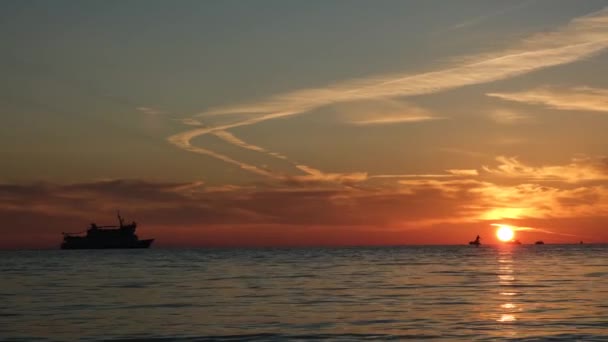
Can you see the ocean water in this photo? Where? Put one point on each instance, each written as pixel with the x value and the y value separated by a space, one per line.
pixel 527 292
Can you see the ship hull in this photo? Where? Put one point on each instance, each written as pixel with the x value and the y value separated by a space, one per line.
pixel 84 243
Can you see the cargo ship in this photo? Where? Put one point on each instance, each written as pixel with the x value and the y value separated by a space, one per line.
pixel 105 237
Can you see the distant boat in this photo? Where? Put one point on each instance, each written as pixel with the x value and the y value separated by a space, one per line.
pixel 514 242
pixel 476 242
pixel 539 242
pixel 105 237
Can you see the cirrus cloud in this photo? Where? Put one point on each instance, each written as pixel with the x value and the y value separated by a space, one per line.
pixel 576 98
pixel 581 38
pixel 578 170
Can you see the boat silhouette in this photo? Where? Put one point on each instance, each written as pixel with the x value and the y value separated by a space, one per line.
pixel 105 237
pixel 476 242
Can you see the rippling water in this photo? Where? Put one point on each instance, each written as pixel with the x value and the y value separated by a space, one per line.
pixel 432 292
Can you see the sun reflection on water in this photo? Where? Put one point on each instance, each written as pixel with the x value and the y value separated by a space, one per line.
pixel 506 278
pixel 505 318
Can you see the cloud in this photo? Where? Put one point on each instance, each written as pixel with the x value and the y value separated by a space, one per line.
pixel 488 201
pixel 508 117
pixel 430 175
pixel 496 13
pixel 463 172
pixel 581 38
pixel 184 141
pixel 191 122
pixel 317 175
pixel 195 203
pixel 385 120
pixel 537 201
pixel 179 213
pixel 312 175
pixel 577 98
pixel 232 139
pixel 381 112
pixel 149 110
pixel 242 165
pixel 578 170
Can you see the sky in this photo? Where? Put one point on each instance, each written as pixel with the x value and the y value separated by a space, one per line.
pixel 304 123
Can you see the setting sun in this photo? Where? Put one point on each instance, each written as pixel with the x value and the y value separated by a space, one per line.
pixel 504 233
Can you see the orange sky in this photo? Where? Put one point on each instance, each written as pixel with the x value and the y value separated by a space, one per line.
pixel 390 123
pixel 192 214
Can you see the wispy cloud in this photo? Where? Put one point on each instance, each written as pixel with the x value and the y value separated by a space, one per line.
pixel 381 112
pixel 581 38
pixel 578 170
pixel 450 173
pixel 232 139
pixel 577 98
pixel 430 175
pixel 312 174
pixel 150 111
pixel 191 122
pixel 184 141
pixel 490 201
pixel 242 165
pixel 392 120
pixel 508 117
pixel 463 172
pixel 43 208
pixel 317 175
pixel 487 16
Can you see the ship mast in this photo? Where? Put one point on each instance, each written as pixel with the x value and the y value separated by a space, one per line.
pixel 119 218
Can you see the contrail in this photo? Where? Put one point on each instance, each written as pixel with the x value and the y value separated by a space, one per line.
pixel 583 37
pixel 497 13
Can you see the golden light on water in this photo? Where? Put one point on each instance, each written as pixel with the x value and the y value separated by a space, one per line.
pixel 506 277
pixel 507 318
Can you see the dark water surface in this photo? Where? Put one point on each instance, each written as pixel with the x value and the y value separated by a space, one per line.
pixel 433 292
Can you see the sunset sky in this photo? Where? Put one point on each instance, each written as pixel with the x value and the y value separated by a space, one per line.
pixel 292 123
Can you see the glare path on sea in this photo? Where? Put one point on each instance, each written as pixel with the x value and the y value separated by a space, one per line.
pixel 434 292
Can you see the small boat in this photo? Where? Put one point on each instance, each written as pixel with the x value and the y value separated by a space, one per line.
pixel 539 242
pixel 476 242
pixel 105 237
pixel 514 242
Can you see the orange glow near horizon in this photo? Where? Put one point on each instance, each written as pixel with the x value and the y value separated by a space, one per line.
pixel 505 233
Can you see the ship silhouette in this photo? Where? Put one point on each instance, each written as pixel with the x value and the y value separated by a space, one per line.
pixel 105 237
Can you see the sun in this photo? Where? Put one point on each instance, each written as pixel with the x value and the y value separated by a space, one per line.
pixel 504 233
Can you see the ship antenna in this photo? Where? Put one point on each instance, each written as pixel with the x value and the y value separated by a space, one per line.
pixel 119 218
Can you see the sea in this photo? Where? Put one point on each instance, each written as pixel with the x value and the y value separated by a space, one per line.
pixel 443 293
